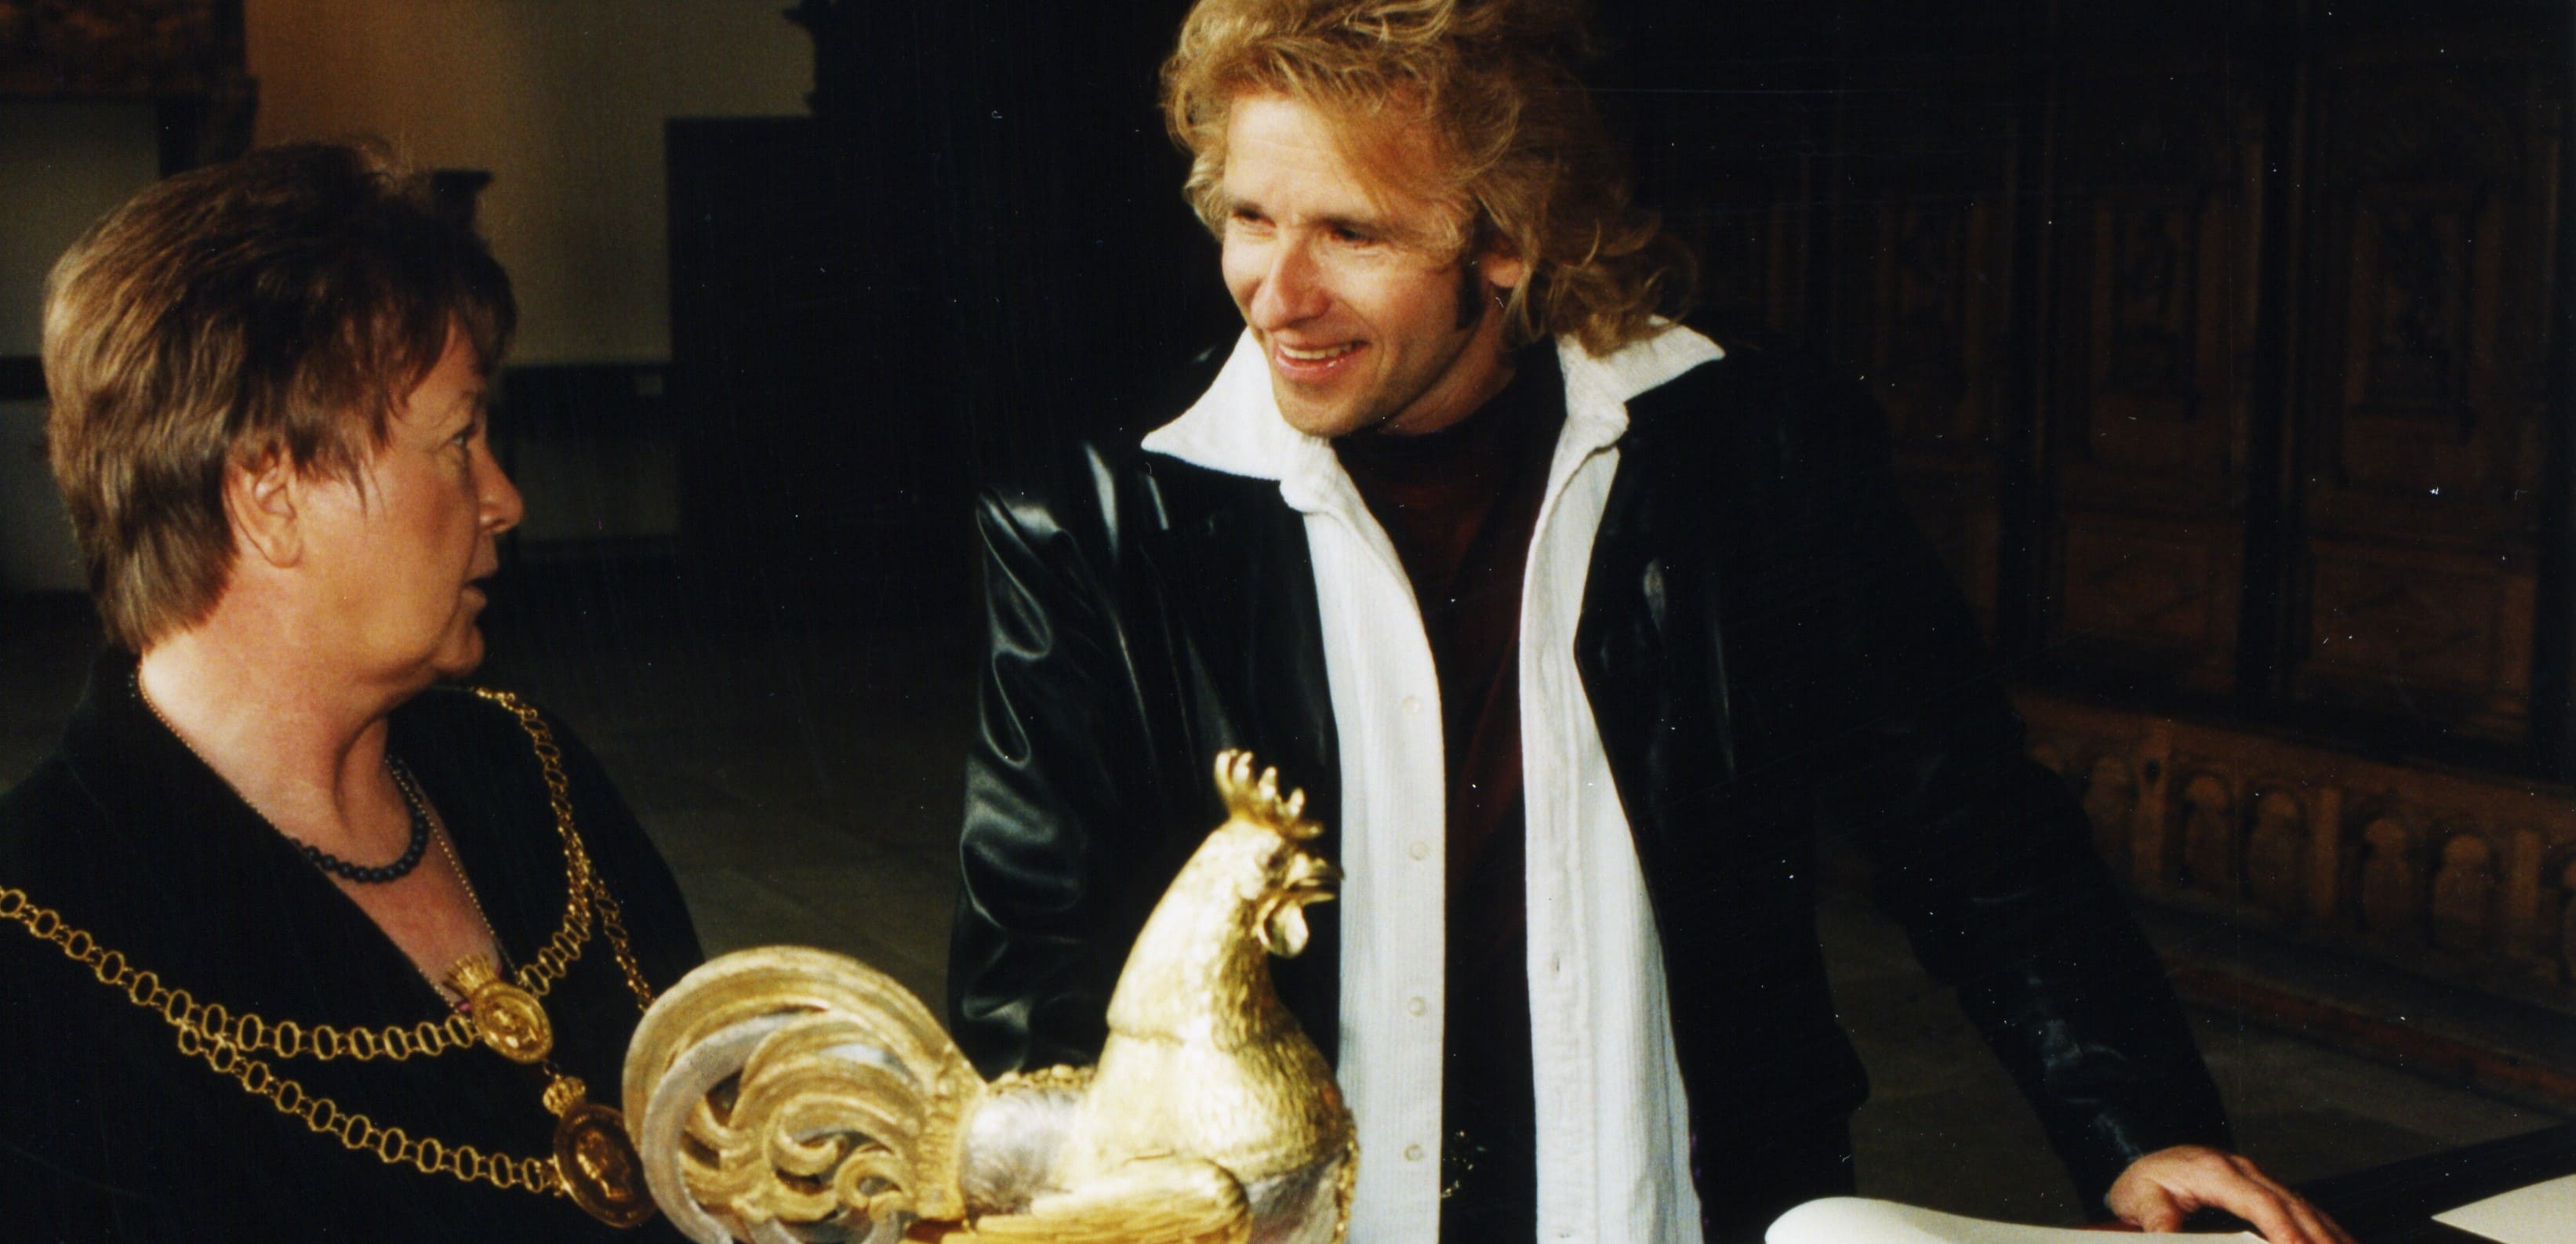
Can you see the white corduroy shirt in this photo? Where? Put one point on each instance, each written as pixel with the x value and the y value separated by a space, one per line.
pixel 1613 1131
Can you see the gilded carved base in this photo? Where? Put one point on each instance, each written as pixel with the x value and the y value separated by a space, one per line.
pixel 2467 878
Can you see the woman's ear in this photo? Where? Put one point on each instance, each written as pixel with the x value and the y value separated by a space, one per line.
pixel 263 497
pixel 1503 269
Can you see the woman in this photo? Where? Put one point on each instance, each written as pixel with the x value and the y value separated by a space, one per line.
pixel 296 943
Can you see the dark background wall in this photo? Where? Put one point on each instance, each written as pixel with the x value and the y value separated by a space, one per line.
pixel 2220 338
pixel 2225 343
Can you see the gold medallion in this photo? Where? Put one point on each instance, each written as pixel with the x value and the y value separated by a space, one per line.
pixel 508 1018
pixel 599 1166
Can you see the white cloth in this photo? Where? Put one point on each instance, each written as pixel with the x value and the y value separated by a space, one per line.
pixel 1613 1130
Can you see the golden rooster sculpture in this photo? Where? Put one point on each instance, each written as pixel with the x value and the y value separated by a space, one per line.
pixel 783 1095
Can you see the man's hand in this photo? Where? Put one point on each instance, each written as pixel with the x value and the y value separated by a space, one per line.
pixel 2161 1189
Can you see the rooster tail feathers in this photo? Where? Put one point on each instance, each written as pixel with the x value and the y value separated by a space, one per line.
pixel 792 1085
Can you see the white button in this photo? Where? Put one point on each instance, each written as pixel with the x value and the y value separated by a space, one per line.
pixel 1413 706
pixel 1419 850
pixel 1416 1007
pixel 1413 1153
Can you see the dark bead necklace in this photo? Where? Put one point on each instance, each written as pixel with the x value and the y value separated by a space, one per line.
pixel 324 860
pixel 412 851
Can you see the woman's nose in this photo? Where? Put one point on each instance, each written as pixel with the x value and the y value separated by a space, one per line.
pixel 502 505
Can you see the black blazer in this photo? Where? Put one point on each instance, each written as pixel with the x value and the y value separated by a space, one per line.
pixel 1769 648
pixel 109 1132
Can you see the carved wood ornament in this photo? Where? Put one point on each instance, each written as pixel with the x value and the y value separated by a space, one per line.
pixel 2447 873
pixel 186 55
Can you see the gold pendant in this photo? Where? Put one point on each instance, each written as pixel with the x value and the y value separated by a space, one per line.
pixel 508 1018
pixel 596 1159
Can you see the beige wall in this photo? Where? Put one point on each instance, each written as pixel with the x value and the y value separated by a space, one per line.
pixel 63 165
pixel 563 102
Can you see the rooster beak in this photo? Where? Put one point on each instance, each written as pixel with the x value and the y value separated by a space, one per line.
pixel 1282 925
pixel 1312 879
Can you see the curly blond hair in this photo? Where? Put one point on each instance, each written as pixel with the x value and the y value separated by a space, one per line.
pixel 1530 168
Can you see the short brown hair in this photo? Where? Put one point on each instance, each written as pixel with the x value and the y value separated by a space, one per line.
pixel 285 302
pixel 1531 165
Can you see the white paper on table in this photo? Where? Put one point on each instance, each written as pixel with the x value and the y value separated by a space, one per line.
pixel 1859 1220
pixel 2544 1213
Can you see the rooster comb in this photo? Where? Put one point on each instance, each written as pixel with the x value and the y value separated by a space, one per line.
pixel 1256 799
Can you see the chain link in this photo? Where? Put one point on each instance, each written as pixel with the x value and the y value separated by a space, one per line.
pixel 230 1044
pixel 585 888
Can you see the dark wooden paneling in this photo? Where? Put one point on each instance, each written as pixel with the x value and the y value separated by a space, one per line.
pixel 2156 204
pixel 2214 338
pixel 2419 427
pixel 1925 179
pixel 1751 213
pixel 2554 644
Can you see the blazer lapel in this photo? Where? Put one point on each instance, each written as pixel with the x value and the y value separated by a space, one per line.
pixel 1653 614
pixel 1231 560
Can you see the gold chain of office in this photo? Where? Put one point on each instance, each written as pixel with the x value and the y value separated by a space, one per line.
pixel 228 1043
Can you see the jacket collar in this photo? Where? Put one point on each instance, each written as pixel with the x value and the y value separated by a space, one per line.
pixel 1236 428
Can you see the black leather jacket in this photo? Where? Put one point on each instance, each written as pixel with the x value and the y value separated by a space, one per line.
pixel 1768 646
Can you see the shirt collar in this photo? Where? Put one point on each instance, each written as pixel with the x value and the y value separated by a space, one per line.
pixel 1236 428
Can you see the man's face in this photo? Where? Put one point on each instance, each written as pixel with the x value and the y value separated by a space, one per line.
pixel 1336 274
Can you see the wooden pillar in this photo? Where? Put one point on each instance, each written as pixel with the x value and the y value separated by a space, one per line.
pixel 2553 708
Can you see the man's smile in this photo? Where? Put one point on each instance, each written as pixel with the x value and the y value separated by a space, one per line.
pixel 1317 355
pixel 1312 364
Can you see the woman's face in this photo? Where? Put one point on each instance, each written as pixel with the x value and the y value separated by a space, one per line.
pixel 399 556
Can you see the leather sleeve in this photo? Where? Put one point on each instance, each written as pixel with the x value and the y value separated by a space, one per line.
pixel 1029 974
pixel 1981 853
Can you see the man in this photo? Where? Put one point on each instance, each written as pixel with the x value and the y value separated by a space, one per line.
pixel 1575 625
